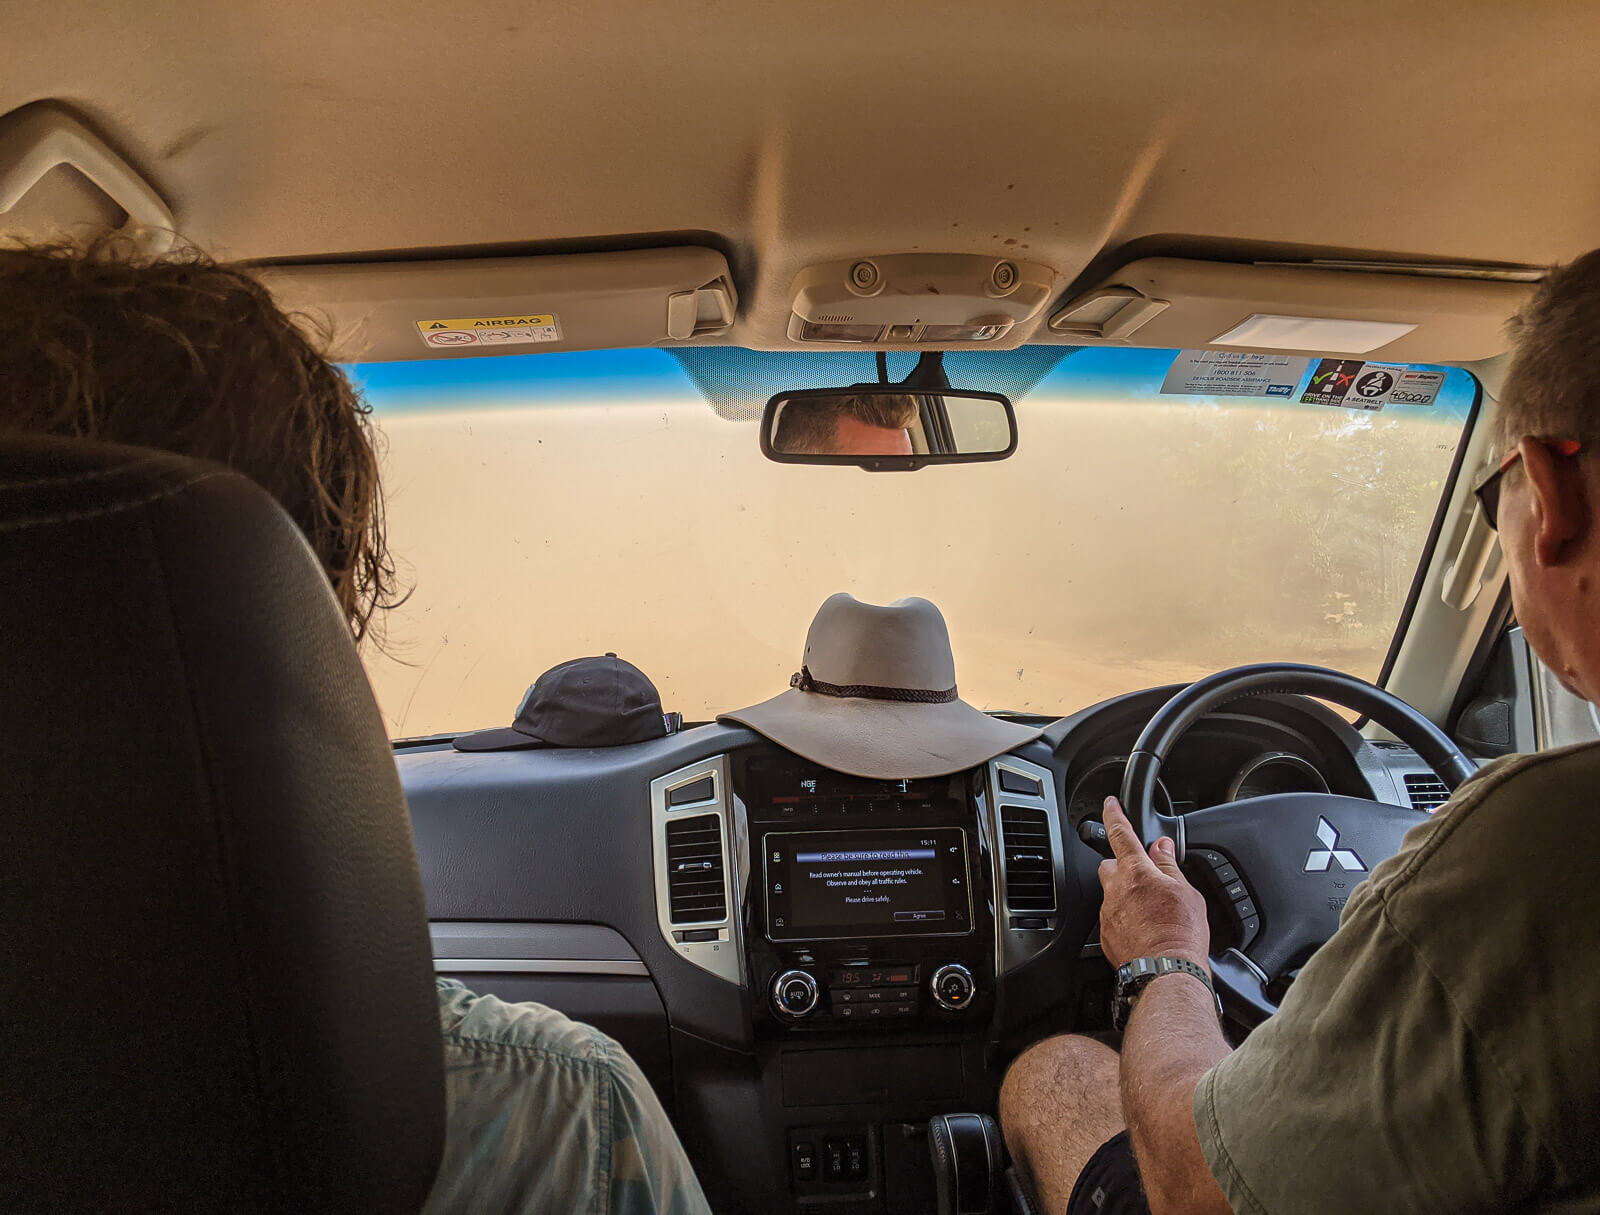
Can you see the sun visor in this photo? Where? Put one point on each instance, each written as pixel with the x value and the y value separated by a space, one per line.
pixel 1434 315
pixel 388 311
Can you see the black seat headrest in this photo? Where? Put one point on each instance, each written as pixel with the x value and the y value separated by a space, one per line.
pixel 219 982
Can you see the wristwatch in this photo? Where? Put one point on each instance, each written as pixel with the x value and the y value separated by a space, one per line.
pixel 1133 976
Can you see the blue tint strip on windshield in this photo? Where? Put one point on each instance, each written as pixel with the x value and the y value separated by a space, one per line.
pixel 1135 375
pixel 652 376
pixel 645 376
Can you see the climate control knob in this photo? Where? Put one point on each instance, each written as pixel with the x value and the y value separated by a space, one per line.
pixel 794 994
pixel 952 987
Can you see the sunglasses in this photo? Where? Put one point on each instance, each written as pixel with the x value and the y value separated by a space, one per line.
pixel 1488 490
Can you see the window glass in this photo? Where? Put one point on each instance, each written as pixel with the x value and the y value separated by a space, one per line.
pixel 549 506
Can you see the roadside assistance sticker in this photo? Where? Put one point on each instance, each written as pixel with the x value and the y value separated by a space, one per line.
pixel 1224 373
pixel 1354 384
pixel 525 329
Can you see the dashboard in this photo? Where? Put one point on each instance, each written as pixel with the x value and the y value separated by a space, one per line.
pixel 806 965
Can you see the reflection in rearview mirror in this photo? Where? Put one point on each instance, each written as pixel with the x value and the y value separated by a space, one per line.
pixel 881 427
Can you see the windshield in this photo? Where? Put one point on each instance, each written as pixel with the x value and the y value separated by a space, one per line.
pixel 545 507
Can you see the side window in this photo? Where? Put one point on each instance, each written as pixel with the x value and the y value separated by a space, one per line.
pixel 1519 706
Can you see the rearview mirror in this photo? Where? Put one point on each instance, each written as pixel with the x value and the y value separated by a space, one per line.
pixel 885 427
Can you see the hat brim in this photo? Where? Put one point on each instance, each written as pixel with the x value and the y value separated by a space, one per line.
pixel 506 738
pixel 882 739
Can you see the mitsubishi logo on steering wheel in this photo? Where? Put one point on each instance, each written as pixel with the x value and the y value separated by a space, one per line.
pixel 1318 859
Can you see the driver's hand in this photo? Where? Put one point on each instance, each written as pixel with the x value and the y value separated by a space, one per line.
pixel 1150 910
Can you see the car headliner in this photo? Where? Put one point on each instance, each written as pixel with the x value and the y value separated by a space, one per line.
pixel 790 134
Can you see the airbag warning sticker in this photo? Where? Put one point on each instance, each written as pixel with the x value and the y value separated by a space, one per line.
pixel 1354 384
pixel 1223 373
pixel 525 329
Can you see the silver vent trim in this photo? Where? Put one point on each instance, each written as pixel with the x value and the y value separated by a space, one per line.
pixel 1015 946
pixel 720 954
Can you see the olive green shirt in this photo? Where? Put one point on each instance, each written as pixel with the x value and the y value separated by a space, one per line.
pixel 1442 1051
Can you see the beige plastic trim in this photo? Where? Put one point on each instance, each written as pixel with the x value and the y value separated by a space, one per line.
pixel 916 299
pixel 1456 319
pixel 41 137
pixel 1440 636
pixel 643 297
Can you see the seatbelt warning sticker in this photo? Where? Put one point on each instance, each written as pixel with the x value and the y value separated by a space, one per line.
pixel 515 329
pixel 1229 373
pixel 1354 384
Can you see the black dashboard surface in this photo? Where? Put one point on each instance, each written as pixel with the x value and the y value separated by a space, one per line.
pixel 518 842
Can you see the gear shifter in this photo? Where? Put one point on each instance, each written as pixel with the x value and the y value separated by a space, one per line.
pixel 968 1163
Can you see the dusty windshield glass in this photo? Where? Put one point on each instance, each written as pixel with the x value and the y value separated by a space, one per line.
pixel 544 507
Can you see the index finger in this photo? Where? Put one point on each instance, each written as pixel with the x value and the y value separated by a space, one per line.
pixel 1119 831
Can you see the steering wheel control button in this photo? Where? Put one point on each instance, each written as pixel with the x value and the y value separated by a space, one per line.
pixel 693 793
pixel 1234 890
pixel 1244 909
pixel 952 987
pixel 1226 873
pixel 1016 782
pixel 794 994
pixel 1248 927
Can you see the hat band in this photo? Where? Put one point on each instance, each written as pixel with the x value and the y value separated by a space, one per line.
pixel 867 691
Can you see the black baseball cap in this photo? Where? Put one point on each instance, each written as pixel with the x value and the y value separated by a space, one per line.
pixel 587 702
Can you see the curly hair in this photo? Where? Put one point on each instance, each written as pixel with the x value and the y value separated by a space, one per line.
pixel 190 356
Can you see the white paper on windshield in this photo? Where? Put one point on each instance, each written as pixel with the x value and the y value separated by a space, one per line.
pixel 1353 384
pixel 1227 373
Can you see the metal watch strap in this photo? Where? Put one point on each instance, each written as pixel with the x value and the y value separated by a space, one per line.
pixel 1133 976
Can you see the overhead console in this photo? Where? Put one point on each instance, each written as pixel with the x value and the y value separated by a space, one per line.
pixel 936 301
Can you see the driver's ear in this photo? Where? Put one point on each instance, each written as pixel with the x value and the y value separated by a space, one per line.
pixel 1559 498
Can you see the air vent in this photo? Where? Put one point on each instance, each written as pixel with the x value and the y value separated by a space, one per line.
pixel 694 870
pixel 1029 867
pixel 1426 791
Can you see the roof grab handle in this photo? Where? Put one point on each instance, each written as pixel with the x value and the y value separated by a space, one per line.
pixel 45 135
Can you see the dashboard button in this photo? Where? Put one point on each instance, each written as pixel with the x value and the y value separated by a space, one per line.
pixel 696 791
pixel 833 1160
pixel 877 1010
pixel 902 1010
pixel 846 1012
pixel 702 934
pixel 855 1158
pixel 952 987
pixel 805 1162
pixel 1015 782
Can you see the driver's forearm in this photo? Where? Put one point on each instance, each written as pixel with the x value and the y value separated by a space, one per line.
pixel 1172 1039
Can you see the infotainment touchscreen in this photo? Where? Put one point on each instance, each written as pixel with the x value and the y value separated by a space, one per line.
pixel 826 885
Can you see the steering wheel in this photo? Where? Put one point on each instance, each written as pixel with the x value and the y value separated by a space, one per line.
pixel 1294 856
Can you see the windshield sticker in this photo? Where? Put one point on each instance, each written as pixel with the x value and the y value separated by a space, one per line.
pixel 524 329
pixel 1223 373
pixel 1354 384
